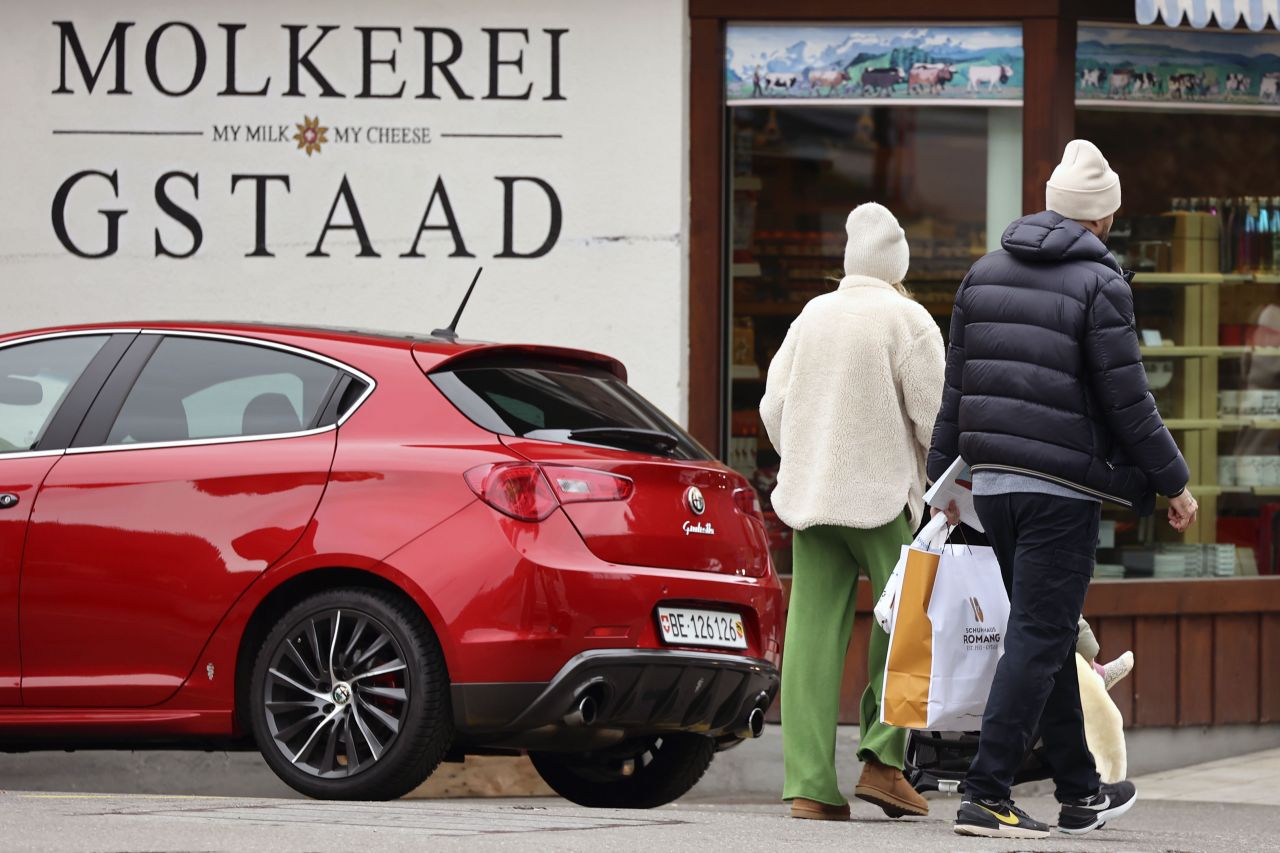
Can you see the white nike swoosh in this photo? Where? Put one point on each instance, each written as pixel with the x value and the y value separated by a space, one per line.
pixel 1102 806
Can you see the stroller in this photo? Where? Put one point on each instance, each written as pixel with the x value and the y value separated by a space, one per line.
pixel 938 761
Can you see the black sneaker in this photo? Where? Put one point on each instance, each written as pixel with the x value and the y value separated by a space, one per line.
pixel 997 819
pixel 1080 816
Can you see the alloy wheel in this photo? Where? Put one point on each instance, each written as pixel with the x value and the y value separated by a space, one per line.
pixel 336 694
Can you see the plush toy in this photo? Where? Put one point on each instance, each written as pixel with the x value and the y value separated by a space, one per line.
pixel 1103 725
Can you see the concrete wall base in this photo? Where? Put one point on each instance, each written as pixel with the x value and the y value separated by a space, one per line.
pixel 752 771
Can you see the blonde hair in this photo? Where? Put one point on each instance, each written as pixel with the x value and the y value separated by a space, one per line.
pixel 898 286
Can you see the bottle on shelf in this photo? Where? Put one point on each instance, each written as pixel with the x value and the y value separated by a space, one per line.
pixel 1246 234
pixel 1275 233
pixel 1264 260
pixel 1227 248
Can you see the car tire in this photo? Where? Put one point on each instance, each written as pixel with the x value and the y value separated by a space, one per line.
pixel 633 775
pixel 349 696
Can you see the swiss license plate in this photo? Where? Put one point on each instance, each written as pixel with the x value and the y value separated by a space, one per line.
pixel 683 626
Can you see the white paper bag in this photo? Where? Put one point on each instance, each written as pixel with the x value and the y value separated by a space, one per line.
pixel 947 637
pixel 969 610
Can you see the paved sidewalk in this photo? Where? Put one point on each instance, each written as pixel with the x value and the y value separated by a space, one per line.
pixel 1246 779
pixel 109 823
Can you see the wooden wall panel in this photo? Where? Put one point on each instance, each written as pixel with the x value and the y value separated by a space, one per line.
pixel 1155 675
pixel 1235 669
pixel 1195 670
pixel 877 11
pixel 706 231
pixel 1269 667
pixel 1049 110
pixel 1116 636
pixel 1194 643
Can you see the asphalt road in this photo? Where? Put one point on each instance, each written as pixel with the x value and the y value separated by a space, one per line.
pixel 114 823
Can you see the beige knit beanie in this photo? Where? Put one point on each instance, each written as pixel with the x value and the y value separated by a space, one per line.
pixel 877 246
pixel 1083 185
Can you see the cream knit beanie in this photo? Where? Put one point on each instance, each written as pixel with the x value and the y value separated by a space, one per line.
pixel 1083 185
pixel 877 246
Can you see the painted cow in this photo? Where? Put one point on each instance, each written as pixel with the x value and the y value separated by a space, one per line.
pixel 1238 84
pixel 1185 85
pixel 1269 87
pixel 1118 84
pixel 929 77
pixel 992 75
pixel 1143 81
pixel 831 80
pixel 777 81
pixel 1092 78
pixel 880 81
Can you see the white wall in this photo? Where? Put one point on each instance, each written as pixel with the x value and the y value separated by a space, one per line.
pixel 615 281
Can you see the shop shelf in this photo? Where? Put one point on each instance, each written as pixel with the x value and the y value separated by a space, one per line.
pixel 1223 424
pixel 746 270
pixel 768 309
pixel 1234 423
pixel 1207 352
pixel 1190 352
pixel 1178 278
pixel 1193 423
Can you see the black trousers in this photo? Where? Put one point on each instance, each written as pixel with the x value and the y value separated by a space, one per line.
pixel 1045 545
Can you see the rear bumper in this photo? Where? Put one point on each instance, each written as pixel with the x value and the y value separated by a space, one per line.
pixel 637 692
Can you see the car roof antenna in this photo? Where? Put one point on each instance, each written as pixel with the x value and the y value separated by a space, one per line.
pixel 451 333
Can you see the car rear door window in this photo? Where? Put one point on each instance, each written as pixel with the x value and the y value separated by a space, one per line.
pixel 199 388
pixel 561 403
pixel 34 379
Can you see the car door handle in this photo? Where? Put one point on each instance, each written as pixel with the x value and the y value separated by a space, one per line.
pixel 8 500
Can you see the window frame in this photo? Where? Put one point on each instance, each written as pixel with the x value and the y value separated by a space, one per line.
pixel 91 436
pixel 75 404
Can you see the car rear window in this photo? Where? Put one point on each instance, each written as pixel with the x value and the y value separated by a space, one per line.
pixel 552 401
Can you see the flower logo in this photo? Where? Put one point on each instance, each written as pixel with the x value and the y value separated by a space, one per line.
pixel 310 134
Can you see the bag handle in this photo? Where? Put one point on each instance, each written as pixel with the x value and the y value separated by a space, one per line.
pixel 933 536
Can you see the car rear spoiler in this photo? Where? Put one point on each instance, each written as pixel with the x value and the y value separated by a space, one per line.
pixel 477 356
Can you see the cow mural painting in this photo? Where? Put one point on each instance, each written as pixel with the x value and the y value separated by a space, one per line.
pixel 844 65
pixel 1177 69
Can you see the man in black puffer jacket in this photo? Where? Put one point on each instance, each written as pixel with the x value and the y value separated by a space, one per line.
pixel 1046 399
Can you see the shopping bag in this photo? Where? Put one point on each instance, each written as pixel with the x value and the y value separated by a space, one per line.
pixel 947 637
pixel 931 538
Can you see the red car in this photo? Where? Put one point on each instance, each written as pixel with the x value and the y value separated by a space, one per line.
pixel 368 554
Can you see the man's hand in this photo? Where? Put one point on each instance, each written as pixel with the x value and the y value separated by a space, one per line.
pixel 952 511
pixel 1182 511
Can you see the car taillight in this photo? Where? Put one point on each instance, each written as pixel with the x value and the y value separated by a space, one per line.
pixel 580 485
pixel 530 492
pixel 748 503
pixel 517 489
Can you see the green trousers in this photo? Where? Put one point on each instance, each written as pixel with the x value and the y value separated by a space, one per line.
pixel 824 583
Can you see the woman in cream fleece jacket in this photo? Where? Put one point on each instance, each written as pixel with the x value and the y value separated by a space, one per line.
pixel 849 404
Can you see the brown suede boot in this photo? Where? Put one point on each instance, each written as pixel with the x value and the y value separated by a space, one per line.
pixel 814 810
pixel 887 788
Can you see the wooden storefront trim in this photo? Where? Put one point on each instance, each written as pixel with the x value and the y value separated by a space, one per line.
pixel 1207 651
pixel 706 232
pixel 884 10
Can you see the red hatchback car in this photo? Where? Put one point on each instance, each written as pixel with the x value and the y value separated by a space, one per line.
pixel 368 554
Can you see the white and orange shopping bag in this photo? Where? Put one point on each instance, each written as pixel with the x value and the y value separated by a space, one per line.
pixel 946 610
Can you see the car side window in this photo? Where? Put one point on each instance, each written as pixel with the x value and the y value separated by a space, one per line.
pixel 34 379
pixel 199 388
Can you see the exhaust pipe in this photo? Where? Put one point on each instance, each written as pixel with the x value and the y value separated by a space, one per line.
pixel 584 713
pixel 755 722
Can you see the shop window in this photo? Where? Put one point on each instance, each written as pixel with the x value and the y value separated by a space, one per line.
pixel 1183 117
pixel 924 120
